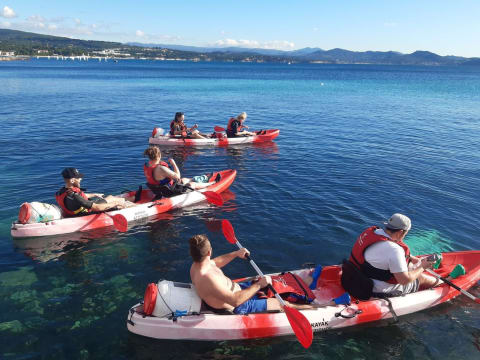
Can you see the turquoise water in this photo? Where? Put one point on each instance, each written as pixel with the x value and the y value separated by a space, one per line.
pixel 357 144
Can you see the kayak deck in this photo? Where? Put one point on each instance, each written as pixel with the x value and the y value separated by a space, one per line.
pixel 144 208
pixel 269 135
pixel 213 326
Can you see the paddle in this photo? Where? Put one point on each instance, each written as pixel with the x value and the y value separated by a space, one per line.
pixel 119 221
pixel 218 129
pixel 211 196
pixel 299 323
pixel 446 281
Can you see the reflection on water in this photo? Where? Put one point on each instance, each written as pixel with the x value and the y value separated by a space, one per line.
pixel 49 248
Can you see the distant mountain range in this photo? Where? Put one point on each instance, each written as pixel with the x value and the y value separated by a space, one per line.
pixel 25 43
pixel 231 49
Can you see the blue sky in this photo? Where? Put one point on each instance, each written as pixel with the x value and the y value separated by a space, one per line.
pixel 445 27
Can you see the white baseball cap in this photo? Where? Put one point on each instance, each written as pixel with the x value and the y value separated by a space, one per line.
pixel 398 222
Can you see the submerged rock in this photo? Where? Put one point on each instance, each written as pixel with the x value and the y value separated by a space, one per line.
pixel 22 277
pixel 14 326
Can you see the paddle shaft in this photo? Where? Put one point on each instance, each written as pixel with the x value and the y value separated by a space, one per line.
pixel 259 272
pixel 446 281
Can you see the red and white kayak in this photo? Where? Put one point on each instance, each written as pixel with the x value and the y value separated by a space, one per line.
pixel 220 140
pixel 207 325
pixel 144 208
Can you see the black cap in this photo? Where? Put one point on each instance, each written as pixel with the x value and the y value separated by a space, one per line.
pixel 69 173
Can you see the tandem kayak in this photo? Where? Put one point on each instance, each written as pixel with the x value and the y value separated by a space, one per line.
pixel 204 324
pixel 220 140
pixel 143 208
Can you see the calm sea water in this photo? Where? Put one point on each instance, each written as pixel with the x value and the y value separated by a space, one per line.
pixel 357 144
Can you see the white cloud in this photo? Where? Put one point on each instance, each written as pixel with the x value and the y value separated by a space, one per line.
pixel 6 24
pixel 8 13
pixel 139 33
pixel 52 27
pixel 36 18
pixel 275 44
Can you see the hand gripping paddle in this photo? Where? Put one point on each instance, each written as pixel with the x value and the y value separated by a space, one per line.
pixel 446 281
pixel 299 323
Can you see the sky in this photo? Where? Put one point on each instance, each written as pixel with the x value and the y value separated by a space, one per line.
pixel 445 27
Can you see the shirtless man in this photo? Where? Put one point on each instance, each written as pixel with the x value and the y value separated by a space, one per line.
pixel 220 292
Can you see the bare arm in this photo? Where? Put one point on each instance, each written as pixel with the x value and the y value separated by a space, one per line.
pixel 166 173
pixel 103 207
pixel 94 194
pixel 175 168
pixel 406 277
pixel 223 260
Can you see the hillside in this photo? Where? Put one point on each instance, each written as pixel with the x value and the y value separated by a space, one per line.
pixel 26 43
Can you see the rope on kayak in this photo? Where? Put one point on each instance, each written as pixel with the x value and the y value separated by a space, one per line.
pixel 389 303
pixel 348 316
pixel 169 308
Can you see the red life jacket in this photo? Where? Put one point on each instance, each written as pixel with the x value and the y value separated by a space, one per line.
pixel 148 171
pixel 63 193
pixel 172 127
pixel 291 287
pixel 366 239
pixel 229 126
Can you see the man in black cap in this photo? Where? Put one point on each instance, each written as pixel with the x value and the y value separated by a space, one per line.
pixel 74 201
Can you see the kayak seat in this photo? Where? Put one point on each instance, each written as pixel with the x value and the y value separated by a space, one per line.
pixel 207 309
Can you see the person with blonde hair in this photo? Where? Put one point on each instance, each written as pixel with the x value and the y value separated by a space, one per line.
pixel 235 126
pixel 161 177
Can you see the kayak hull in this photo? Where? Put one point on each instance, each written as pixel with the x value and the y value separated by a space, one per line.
pixel 143 209
pixel 216 327
pixel 170 141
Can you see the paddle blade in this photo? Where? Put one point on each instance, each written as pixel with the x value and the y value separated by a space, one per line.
pixel 213 198
pixel 228 231
pixel 218 128
pixel 120 222
pixel 300 325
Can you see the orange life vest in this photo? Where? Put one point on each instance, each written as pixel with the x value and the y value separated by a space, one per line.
pixel 366 239
pixel 229 126
pixel 291 287
pixel 172 127
pixel 63 193
pixel 148 171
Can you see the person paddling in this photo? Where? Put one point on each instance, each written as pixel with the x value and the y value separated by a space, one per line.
pixel 381 255
pixel 159 174
pixel 236 125
pixel 74 201
pixel 220 292
pixel 178 128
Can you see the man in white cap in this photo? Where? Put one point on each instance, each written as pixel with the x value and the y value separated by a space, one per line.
pixel 382 256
